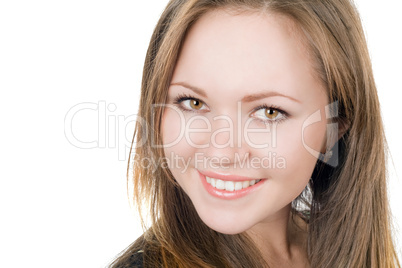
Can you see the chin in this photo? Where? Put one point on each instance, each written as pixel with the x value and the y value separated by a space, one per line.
pixel 226 225
pixel 227 230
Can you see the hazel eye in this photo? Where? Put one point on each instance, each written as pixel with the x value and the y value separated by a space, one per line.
pixel 190 103
pixel 196 104
pixel 271 113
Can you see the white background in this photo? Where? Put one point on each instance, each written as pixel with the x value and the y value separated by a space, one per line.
pixel 62 206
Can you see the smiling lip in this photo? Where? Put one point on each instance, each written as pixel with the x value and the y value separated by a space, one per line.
pixel 223 194
pixel 227 177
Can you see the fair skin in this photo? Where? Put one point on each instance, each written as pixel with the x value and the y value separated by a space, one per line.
pixel 224 59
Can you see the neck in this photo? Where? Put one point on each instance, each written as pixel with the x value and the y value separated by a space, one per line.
pixel 282 240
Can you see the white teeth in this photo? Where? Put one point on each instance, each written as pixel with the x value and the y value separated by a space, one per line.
pixel 220 184
pixel 213 182
pixel 230 185
pixel 238 185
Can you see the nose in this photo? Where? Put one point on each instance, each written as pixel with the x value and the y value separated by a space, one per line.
pixel 226 141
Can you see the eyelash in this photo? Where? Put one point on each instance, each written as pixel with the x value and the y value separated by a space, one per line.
pixel 284 115
pixel 183 97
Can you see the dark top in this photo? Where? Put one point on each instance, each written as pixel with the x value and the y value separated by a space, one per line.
pixel 137 260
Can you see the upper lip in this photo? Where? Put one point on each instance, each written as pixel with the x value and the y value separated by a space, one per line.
pixel 227 177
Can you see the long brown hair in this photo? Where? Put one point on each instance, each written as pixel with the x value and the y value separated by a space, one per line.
pixel 349 222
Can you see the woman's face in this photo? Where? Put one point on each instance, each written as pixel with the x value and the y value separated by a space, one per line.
pixel 236 130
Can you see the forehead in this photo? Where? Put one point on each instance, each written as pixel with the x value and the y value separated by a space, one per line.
pixel 231 51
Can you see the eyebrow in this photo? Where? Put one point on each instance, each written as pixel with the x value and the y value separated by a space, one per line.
pixel 247 98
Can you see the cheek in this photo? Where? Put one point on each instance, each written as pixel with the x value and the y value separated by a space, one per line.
pixel 291 179
pixel 299 146
pixel 292 136
pixel 173 145
pixel 172 127
pixel 294 161
pixel 177 150
pixel 180 129
pixel 300 141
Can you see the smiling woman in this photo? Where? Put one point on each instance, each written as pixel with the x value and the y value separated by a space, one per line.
pixel 230 84
pixel 267 56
